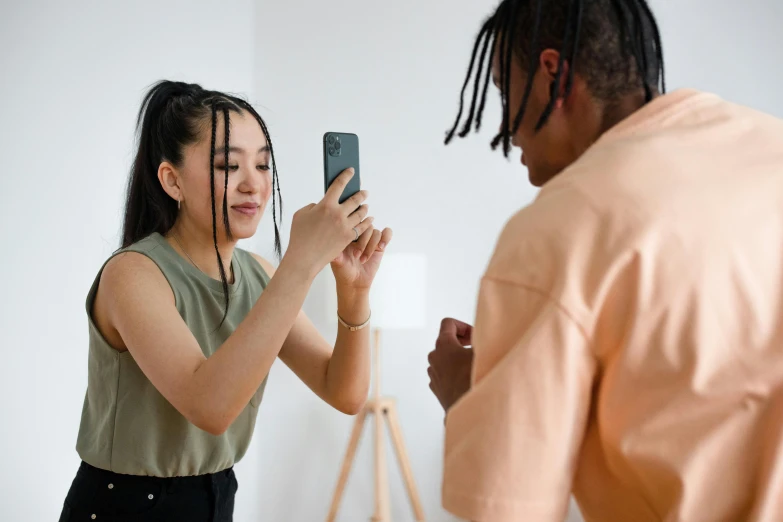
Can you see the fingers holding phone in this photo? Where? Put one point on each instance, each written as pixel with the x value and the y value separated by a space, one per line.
pixel 341 152
pixel 355 208
pixel 338 185
pixel 320 232
pixel 358 263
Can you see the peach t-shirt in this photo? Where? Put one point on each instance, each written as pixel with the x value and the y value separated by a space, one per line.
pixel 629 332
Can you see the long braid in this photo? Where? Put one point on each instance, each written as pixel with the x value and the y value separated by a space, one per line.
pixel 453 130
pixel 488 74
pixel 275 189
pixel 640 49
pixel 505 49
pixel 212 175
pixel 630 20
pixel 555 88
pixel 533 67
pixel 579 7
pixel 486 36
pixel 627 44
pixel 658 46
pixel 221 269
pixel 227 126
pixel 511 29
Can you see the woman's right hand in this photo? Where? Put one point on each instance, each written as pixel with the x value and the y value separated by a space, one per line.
pixel 320 232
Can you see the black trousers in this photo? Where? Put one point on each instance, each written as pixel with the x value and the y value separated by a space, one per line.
pixel 104 496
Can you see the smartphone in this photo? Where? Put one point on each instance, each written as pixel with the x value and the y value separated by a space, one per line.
pixel 341 151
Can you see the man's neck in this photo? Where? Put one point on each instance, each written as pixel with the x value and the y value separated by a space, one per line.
pixel 622 109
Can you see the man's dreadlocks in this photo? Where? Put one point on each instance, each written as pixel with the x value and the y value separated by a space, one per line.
pixel 608 42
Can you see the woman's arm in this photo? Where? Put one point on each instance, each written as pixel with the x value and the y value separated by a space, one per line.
pixel 137 301
pixel 339 375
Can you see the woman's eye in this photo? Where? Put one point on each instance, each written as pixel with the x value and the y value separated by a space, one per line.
pixel 263 167
pixel 230 167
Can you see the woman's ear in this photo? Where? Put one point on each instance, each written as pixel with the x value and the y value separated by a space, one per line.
pixel 169 178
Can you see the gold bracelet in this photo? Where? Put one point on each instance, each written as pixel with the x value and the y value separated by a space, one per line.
pixel 353 327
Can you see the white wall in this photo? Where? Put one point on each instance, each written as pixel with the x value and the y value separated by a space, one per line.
pixel 73 76
pixel 730 48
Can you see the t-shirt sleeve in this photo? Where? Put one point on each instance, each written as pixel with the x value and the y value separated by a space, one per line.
pixel 513 440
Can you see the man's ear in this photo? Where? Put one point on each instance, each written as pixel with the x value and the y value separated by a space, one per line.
pixel 548 65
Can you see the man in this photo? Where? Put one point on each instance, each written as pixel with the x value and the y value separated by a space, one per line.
pixel 628 344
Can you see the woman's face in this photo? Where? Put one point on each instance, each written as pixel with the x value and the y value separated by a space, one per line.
pixel 249 178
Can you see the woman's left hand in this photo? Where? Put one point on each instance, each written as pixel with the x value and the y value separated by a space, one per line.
pixel 357 265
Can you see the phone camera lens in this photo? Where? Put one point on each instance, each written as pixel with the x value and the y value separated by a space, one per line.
pixel 337 145
pixel 331 140
pixel 331 150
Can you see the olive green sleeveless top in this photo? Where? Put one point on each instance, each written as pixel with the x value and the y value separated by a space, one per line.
pixel 127 426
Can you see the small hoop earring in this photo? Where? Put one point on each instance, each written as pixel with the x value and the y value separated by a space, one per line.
pixel 179 204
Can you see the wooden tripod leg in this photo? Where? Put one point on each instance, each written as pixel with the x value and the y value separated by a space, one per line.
pixel 347 462
pixel 402 457
pixel 382 504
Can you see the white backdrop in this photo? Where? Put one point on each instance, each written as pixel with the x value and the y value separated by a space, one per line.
pixel 73 76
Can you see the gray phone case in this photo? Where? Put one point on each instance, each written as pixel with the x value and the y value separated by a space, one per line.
pixel 341 151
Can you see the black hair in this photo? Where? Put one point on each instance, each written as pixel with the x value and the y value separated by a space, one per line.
pixel 172 116
pixel 614 44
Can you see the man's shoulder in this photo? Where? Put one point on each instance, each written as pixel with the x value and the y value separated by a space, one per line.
pixel 559 206
pixel 569 228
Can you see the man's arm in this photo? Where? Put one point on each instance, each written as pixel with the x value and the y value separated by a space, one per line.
pixel 451 362
pixel 512 441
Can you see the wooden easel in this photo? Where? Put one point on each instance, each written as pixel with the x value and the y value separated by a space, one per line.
pixel 380 407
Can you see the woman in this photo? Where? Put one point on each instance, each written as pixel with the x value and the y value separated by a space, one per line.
pixel 184 326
